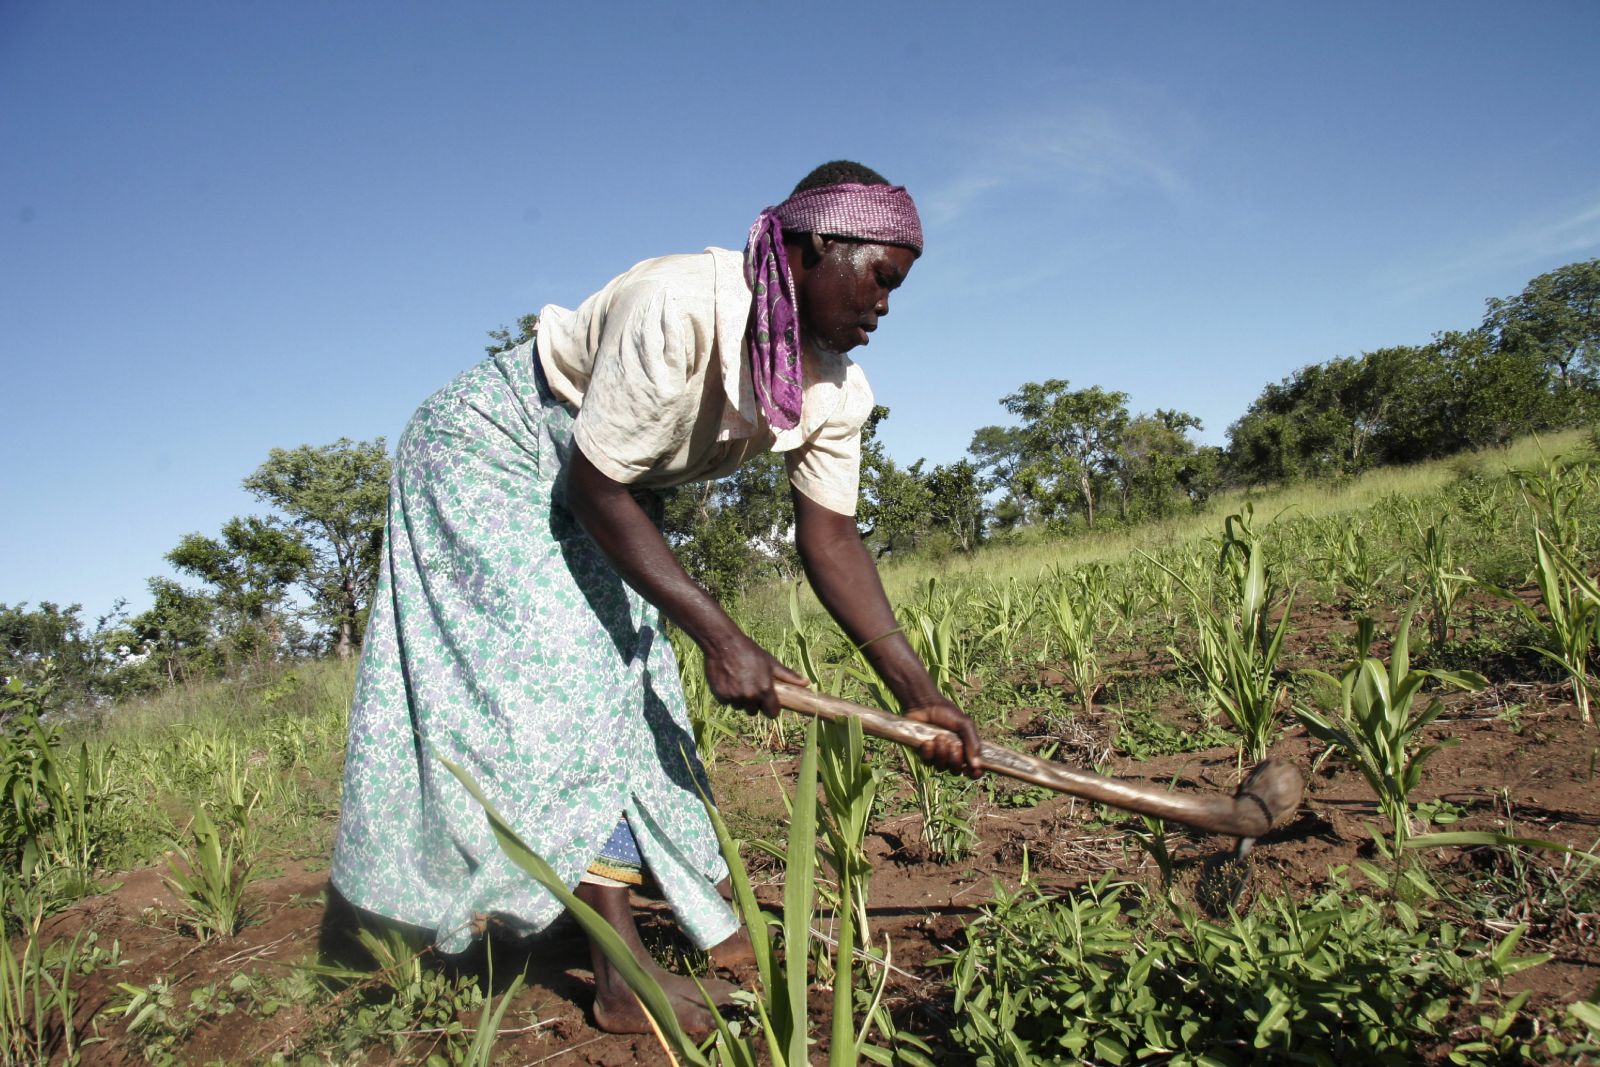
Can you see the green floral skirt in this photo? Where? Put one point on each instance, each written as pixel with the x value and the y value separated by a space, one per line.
pixel 501 638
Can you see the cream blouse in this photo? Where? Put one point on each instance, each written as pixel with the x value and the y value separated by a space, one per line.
pixel 656 365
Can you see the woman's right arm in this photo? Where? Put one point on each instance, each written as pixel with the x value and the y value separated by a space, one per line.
pixel 739 671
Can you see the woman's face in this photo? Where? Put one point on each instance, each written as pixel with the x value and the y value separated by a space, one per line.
pixel 845 291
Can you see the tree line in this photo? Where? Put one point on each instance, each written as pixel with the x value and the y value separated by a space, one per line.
pixel 298 580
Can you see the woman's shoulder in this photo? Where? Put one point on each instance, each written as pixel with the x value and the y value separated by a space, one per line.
pixel 686 275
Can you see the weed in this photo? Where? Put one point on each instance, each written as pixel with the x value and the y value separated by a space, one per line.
pixel 1338 975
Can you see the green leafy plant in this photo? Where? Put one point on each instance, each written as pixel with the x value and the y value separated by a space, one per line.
pixel 1004 613
pixel 37 997
pixel 1235 657
pixel 1570 628
pixel 1440 582
pixel 211 878
pixel 1075 623
pixel 1381 719
pixel 406 994
pixel 1354 567
pixel 1102 975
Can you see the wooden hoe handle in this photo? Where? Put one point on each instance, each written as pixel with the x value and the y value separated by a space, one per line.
pixel 1266 799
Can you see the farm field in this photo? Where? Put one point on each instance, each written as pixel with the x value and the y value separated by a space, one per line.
pixel 1420 643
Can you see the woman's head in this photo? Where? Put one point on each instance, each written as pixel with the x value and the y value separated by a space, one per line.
pixel 821 266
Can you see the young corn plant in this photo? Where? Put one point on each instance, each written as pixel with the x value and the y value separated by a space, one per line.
pixel 1235 656
pixel 1570 630
pixel 942 798
pixel 211 879
pixel 1440 581
pixel 1381 718
pixel 1074 622
pixel 1004 613
pixel 1355 569
pixel 60 813
pixel 36 994
pixel 1556 494
pixel 782 1036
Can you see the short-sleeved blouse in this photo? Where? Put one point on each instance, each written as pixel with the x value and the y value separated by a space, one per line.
pixel 657 367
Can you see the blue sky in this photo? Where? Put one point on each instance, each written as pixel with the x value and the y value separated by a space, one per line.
pixel 230 226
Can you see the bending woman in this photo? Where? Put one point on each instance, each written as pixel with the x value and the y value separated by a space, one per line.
pixel 516 624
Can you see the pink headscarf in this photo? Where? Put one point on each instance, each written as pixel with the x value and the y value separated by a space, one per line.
pixel 881 213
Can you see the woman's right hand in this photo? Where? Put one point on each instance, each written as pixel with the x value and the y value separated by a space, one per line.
pixel 742 674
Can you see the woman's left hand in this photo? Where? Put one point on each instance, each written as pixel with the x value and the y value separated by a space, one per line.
pixel 959 750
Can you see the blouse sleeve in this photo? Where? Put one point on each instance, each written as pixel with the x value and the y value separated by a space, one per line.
pixel 827 466
pixel 637 411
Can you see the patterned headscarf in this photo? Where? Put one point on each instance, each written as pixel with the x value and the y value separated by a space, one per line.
pixel 881 213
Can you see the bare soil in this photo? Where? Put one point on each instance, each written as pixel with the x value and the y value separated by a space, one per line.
pixel 1521 762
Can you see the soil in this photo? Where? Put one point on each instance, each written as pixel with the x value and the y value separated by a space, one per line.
pixel 1522 762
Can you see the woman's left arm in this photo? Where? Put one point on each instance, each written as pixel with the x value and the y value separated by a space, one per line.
pixel 846 581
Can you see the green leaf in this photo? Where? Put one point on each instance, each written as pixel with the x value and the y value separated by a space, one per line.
pixel 600 932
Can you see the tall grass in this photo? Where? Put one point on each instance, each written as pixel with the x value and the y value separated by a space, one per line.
pixel 1028 554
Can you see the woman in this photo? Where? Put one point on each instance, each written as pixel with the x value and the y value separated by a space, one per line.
pixel 516 625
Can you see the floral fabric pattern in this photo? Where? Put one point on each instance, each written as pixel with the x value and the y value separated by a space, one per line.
pixel 502 639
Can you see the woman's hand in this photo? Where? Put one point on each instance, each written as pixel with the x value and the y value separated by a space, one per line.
pixel 960 750
pixel 742 673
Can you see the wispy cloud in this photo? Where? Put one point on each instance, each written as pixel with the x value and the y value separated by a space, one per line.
pixel 1571 234
pixel 1104 139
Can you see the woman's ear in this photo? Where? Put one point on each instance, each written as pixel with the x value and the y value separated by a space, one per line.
pixel 812 253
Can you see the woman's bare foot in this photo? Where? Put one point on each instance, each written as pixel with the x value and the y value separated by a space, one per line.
pixel 735 953
pixel 616 1009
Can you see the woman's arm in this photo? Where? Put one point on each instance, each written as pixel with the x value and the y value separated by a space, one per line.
pixel 739 671
pixel 846 581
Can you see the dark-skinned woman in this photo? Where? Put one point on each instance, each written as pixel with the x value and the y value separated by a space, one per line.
pixel 516 627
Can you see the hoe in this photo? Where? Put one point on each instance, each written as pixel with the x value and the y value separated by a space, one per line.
pixel 1267 798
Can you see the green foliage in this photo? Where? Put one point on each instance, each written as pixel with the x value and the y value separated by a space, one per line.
pixel 336 497
pixel 1399 405
pixel 1356 568
pixel 1074 611
pixel 1235 658
pixel 250 568
pixel 502 338
pixel 1143 734
pixel 1380 723
pixel 1570 629
pixel 37 997
pixel 404 993
pixel 1556 320
pixel 1440 582
pixel 733 533
pixel 1102 976
pixel 62 812
pixel 1065 447
pixel 211 873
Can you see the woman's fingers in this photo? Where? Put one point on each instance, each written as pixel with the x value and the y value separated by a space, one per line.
pixel 745 677
pixel 958 750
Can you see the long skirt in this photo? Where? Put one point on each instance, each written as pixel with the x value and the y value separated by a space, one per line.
pixel 501 638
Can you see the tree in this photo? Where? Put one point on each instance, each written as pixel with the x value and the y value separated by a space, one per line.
pixel 893 509
pixel 955 502
pixel 730 532
pixel 251 567
pixel 1069 440
pixel 1155 465
pixel 336 496
pixel 503 338
pixel 174 635
pixel 1557 318
pixel 997 452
